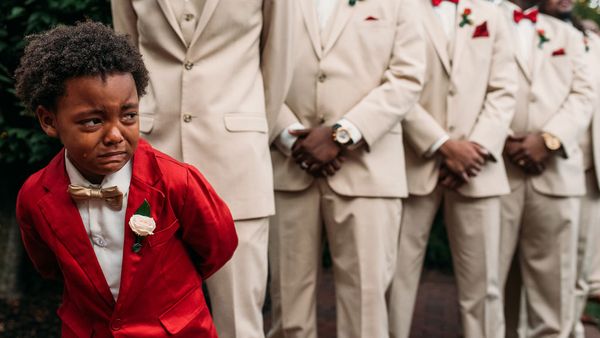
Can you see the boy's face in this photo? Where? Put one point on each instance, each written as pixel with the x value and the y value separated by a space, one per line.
pixel 97 122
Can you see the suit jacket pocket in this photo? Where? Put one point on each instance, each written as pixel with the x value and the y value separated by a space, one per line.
pixel 146 124
pixel 245 122
pixel 178 316
pixel 163 235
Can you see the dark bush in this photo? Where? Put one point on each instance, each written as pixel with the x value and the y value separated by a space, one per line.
pixel 23 146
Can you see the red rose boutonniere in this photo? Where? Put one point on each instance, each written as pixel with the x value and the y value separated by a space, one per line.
pixel 353 2
pixel 543 38
pixel 465 18
pixel 142 225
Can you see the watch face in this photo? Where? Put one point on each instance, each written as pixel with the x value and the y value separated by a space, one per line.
pixel 553 144
pixel 342 136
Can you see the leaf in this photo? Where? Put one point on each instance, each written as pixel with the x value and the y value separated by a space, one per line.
pixel 144 209
pixel 15 13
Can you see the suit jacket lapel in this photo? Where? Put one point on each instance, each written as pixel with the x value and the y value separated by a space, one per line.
pixel 436 33
pixel 462 35
pixel 170 16
pixel 340 19
pixel 145 175
pixel 539 54
pixel 525 68
pixel 207 12
pixel 62 215
pixel 312 26
pixel 138 192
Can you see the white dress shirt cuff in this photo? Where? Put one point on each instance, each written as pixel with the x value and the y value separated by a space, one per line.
pixel 355 134
pixel 436 146
pixel 286 140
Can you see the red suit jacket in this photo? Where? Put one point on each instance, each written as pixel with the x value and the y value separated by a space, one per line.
pixel 161 285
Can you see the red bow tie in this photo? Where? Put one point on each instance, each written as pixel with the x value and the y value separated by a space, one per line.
pixel 436 3
pixel 531 16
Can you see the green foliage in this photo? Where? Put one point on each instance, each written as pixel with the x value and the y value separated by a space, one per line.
pixel 21 140
pixel 587 9
pixel 592 309
pixel 438 255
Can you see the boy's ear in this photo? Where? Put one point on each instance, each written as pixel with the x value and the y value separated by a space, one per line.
pixel 47 120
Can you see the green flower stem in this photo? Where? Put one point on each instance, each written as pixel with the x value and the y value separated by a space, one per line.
pixel 465 21
pixel 137 246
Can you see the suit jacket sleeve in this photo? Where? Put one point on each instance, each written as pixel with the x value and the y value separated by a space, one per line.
pixel 493 123
pixel 276 55
pixel 41 255
pixel 421 130
pixel 285 119
pixel 207 224
pixel 574 116
pixel 125 19
pixel 387 104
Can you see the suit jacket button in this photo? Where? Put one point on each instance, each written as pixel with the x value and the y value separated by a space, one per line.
pixel 188 17
pixel 188 65
pixel 451 128
pixel 322 77
pixel 116 324
pixel 187 118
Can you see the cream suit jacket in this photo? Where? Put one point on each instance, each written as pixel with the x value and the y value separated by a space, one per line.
pixel 591 142
pixel 367 66
pixel 469 94
pixel 206 103
pixel 555 95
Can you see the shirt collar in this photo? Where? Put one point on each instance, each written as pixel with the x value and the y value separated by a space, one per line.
pixel 121 178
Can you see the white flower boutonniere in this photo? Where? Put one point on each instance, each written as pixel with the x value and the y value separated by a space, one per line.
pixel 142 225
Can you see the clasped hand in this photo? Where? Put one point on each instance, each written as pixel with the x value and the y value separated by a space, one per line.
pixel 462 160
pixel 316 152
pixel 528 152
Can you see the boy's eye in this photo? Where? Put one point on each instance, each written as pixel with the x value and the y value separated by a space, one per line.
pixel 130 116
pixel 90 122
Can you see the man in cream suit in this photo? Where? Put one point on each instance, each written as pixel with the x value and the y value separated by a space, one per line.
pixel 546 171
pixel 589 225
pixel 219 70
pixel 339 164
pixel 454 141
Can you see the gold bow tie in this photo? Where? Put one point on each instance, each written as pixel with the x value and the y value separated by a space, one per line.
pixel 110 195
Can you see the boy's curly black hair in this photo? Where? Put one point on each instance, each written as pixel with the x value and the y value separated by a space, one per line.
pixel 64 52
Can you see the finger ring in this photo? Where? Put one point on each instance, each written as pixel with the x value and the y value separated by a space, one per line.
pixel 304 165
pixel 521 162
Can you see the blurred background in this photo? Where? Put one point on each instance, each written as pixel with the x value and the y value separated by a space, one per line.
pixel 27 303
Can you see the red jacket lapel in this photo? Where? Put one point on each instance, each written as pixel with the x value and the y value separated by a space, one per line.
pixel 63 217
pixel 145 176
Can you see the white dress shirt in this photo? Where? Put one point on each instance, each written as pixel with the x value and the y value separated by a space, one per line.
pixel 446 12
pixel 527 32
pixel 105 227
pixel 324 10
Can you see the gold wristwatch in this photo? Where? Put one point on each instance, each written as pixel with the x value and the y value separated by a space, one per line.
pixel 551 142
pixel 341 135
